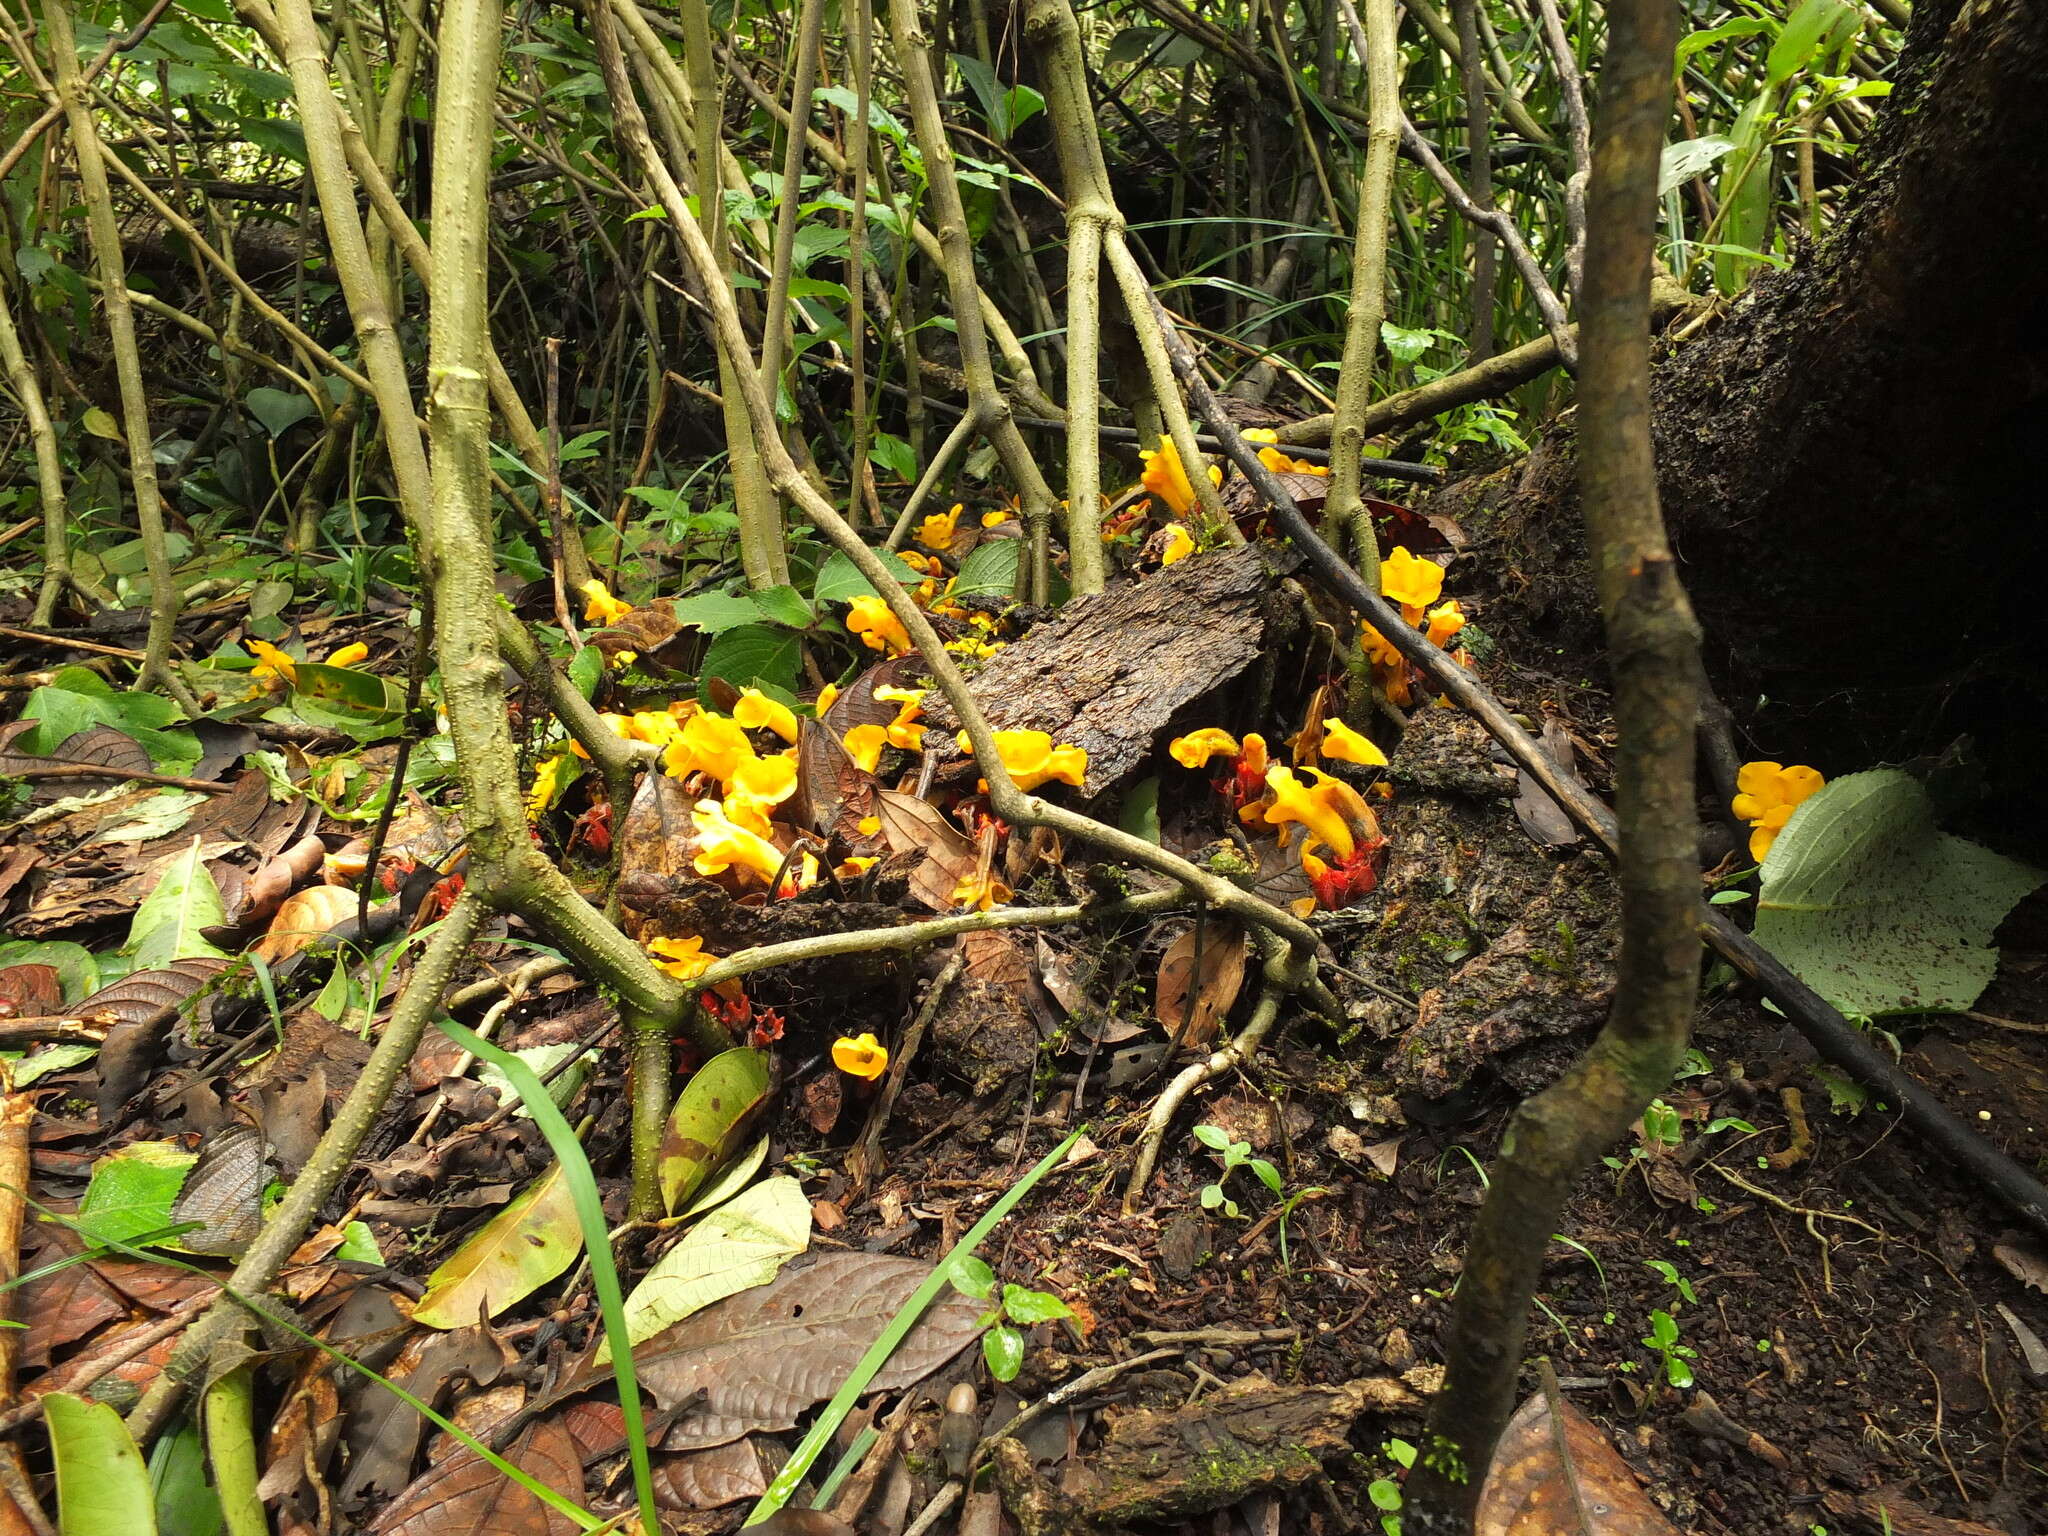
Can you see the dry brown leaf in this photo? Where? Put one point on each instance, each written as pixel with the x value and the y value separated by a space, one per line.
pixel 466 1493
pixel 303 920
pixel 712 1478
pixel 1190 1004
pixel 762 1357
pixel 1558 1476
pixel 2023 1264
pixel 658 839
pixel 909 823
pixel 32 989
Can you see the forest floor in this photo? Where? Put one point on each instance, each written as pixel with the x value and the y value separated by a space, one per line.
pixel 1846 1324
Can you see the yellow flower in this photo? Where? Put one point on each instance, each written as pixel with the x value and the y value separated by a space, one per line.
pixel 861 1056
pixel 973 648
pixel 1032 759
pixel 1445 622
pixel 1410 581
pixel 996 519
pixel 683 959
pixel 1346 746
pixel 924 565
pixel 869 826
pixel 348 655
pixel 724 844
pixel 937 531
pixel 549 780
pixel 1179 544
pixel 656 727
pixel 759 784
pixel 1769 794
pixel 864 745
pixel 756 711
pixel 600 607
pixel 1165 478
pixel 904 731
pixel 854 865
pixel 710 744
pixel 1196 748
pixel 982 890
pixel 623 659
pixel 826 696
pixel 1278 462
pixel 272 664
pixel 878 628
pixel 1330 809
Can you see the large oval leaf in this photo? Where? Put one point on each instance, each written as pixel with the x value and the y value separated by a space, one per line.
pixel 102 1485
pixel 741 1244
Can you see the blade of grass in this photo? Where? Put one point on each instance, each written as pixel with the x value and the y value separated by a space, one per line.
pixel 878 1354
pixel 604 1276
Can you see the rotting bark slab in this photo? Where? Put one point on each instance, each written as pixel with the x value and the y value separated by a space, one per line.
pixel 1112 670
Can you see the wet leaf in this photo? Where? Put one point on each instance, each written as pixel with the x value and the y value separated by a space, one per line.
pixel 102 1485
pixel 168 925
pixel 132 1191
pixel 1195 991
pixel 741 1244
pixel 764 1356
pixel 714 1114
pixel 516 1252
pixel 1558 1476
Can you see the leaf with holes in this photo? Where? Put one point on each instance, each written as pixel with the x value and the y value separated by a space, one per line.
pixel 742 1244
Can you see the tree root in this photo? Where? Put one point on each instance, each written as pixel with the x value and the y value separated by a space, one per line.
pixel 1175 1094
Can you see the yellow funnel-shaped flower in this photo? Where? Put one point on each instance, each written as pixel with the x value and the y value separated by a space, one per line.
pixel 756 711
pixel 1345 745
pixel 937 531
pixel 760 784
pixel 1409 580
pixel 861 1056
pixel 1196 748
pixel 724 845
pixel 1329 809
pixel 878 628
pixel 599 606
pixel 1031 759
pixel 680 958
pixel 712 744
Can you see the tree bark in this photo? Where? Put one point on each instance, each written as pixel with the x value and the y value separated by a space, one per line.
pixel 1846 457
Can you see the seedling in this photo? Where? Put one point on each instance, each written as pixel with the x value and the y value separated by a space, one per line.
pixel 1663 1338
pixel 1235 1154
pixel 1019 1308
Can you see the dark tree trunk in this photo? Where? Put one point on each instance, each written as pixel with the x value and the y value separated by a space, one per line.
pixel 1849 457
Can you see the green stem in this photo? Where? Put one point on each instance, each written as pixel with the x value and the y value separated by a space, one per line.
pixel 231 1448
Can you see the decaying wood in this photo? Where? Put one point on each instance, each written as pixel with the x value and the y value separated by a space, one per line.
pixel 1111 670
pixel 1251 1437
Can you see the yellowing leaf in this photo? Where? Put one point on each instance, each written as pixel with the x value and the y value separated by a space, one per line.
pixel 741 1244
pixel 101 424
pixel 518 1251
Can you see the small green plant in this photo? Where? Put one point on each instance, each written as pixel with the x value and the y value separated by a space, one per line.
pixel 1235 1155
pixel 1663 1338
pixel 1668 1273
pixel 1019 1308
pixel 1385 1493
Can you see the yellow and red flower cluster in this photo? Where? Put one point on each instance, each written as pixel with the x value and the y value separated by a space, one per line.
pixel 1335 815
pixel 1413 583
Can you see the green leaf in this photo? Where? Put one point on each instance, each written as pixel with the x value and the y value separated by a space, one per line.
pixel 51 1058
pixel 1689 158
pixel 973 1277
pixel 749 654
pixel 742 1244
pixel 183 901
pixel 784 605
pixel 516 1252
pixel 1879 911
pixel 76 700
pixel 894 455
pixel 131 1191
pixel 1025 1306
pixel 359 1245
pixel 102 1485
pixel 1212 1136
pixel 991 570
pixel 186 1504
pixel 839 580
pixel 1140 813
pixel 1800 38
pixel 540 1060
pixel 101 424
pixel 1003 1348
pixel 714 1113
pixel 716 612
pixel 278 409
